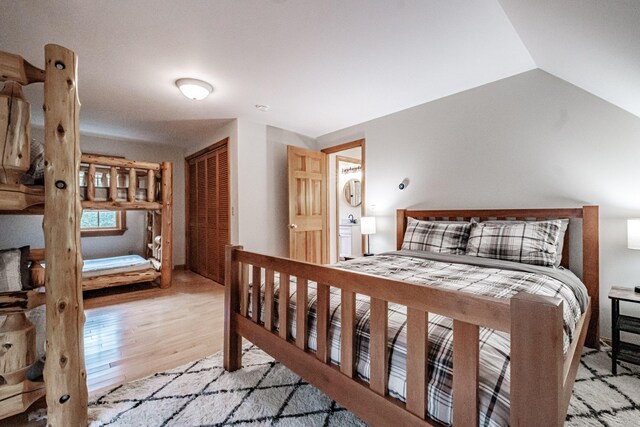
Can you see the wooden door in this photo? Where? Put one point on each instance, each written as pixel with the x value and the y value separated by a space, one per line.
pixel 307 205
pixel 208 211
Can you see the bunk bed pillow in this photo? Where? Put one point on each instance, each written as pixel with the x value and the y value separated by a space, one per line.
pixel 523 242
pixel 10 274
pixel 432 236
pixel 25 272
pixel 35 174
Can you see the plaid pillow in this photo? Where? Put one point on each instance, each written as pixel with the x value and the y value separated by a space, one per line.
pixel 524 242
pixel 564 224
pixel 448 238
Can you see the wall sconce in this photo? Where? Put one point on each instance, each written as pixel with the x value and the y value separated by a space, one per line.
pixel 404 184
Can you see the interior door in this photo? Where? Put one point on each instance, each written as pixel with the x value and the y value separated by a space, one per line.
pixel 307 171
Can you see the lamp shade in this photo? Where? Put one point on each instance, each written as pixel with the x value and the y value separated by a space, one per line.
pixel 633 233
pixel 368 225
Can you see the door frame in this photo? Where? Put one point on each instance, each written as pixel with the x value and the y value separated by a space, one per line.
pixel 336 212
pixel 223 142
pixel 363 211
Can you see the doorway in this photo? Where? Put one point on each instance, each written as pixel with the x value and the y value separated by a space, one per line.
pixel 346 164
pixel 208 210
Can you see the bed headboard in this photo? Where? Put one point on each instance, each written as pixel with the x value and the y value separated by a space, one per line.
pixel 590 241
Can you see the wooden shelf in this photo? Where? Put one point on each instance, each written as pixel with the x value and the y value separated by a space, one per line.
pixel 20 197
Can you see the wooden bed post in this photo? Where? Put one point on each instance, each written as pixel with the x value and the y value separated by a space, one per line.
pixel 232 358
pixel 536 375
pixel 591 270
pixel 65 375
pixel 167 225
pixel 401 225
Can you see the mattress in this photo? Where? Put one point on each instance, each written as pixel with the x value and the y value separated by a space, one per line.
pixel 114 265
pixel 495 278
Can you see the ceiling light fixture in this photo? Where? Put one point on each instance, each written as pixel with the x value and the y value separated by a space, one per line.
pixel 262 107
pixel 194 89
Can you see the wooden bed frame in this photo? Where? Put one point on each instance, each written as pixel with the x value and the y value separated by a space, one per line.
pixel 541 381
pixel 59 200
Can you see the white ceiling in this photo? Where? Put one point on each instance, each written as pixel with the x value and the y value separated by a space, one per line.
pixel 321 65
pixel 593 44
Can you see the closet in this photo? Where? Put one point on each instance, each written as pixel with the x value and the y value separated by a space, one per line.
pixel 208 213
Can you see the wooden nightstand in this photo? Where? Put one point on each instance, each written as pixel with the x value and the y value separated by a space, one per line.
pixel 619 322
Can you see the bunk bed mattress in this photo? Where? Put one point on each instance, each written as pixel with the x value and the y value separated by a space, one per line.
pixel 114 265
pixel 495 278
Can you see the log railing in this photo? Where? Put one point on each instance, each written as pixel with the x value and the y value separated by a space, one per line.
pixel 537 381
pixel 125 175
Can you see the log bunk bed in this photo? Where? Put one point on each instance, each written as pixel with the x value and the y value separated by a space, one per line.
pixel 542 373
pixel 56 270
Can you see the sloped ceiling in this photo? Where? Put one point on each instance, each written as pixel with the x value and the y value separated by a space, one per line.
pixel 593 44
pixel 321 65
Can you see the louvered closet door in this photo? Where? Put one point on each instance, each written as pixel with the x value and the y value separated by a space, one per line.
pixel 209 229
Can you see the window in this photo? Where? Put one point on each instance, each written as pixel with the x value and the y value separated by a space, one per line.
pixel 102 223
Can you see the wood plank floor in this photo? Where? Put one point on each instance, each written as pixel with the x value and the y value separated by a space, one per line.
pixel 136 333
pixel 138 330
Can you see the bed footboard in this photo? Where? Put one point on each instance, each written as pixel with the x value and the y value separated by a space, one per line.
pixel 541 376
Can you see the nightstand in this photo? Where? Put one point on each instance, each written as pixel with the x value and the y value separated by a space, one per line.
pixel 619 322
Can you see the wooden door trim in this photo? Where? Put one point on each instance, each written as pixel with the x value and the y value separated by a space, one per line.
pixel 343 147
pixel 213 147
pixel 363 211
pixel 339 193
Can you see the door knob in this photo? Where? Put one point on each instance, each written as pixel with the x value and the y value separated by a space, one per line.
pixel 292 226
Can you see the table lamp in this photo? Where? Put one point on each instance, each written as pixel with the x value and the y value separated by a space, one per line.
pixel 633 237
pixel 368 227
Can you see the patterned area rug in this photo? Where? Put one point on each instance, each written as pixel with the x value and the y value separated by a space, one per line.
pixel 264 392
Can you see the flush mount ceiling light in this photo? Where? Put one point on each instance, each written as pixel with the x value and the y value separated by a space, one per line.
pixel 194 89
pixel 262 107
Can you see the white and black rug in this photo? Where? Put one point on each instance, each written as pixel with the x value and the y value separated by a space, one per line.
pixel 264 392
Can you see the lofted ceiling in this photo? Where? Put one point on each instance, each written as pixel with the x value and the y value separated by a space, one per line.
pixel 321 65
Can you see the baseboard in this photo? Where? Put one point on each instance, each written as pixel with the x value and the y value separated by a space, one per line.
pixel 180 267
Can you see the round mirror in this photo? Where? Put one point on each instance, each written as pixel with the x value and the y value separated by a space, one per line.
pixel 352 192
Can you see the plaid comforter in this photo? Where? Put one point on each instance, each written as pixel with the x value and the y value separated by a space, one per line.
pixel 494 346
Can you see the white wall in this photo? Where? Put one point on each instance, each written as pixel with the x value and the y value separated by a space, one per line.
pixel 258 160
pixel 531 140
pixel 27 229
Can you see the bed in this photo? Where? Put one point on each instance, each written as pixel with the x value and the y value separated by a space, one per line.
pixel 102 272
pixel 377 313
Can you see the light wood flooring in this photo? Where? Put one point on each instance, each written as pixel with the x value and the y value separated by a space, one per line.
pixel 138 330
pixel 138 333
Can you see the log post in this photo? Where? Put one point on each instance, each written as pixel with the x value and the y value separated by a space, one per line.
pixel 91 183
pixel 15 133
pixel 167 224
pixel 536 361
pixel 17 348
pixel 151 186
pixel 232 358
pixel 15 68
pixel 113 183
pixel 133 185
pixel 65 374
